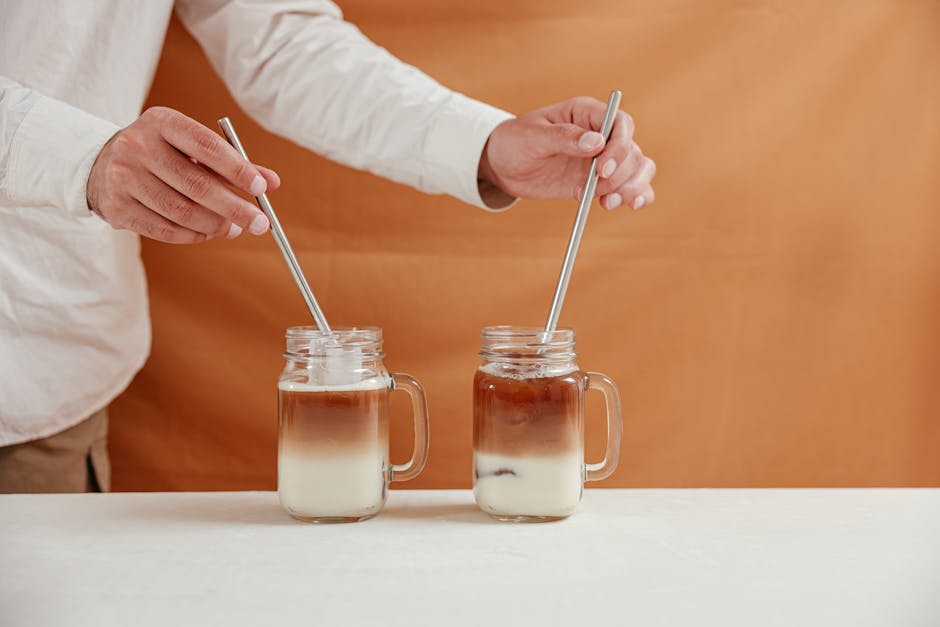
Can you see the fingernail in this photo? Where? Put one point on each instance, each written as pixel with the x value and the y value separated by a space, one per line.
pixel 639 202
pixel 259 225
pixel 258 185
pixel 609 168
pixel 590 140
pixel 614 200
pixel 233 231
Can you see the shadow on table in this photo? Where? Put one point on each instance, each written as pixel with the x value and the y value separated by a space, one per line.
pixel 450 512
pixel 230 508
pixel 214 510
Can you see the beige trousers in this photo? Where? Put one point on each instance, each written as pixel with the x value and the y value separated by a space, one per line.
pixel 74 460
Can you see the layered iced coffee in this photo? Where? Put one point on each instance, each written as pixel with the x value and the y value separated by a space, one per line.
pixel 527 449
pixel 333 449
pixel 528 425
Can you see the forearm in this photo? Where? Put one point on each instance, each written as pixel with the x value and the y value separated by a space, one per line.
pixel 306 74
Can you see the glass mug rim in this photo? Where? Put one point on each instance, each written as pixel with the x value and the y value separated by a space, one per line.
pixel 310 330
pixel 521 343
pixel 524 331
pixel 306 342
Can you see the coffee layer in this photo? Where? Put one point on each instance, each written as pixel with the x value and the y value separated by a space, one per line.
pixel 333 420
pixel 532 416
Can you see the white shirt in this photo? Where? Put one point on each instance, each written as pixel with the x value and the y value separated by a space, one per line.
pixel 74 324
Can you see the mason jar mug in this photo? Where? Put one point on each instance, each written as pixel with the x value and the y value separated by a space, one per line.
pixel 333 427
pixel 528 425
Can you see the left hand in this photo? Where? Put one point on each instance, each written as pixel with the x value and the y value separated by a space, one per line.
pixel 546 153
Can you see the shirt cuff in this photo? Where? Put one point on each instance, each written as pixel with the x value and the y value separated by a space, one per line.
pixel 51 155
pixel 458 135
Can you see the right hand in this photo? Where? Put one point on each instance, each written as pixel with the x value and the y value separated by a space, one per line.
pixel 546 153
pixel 166 177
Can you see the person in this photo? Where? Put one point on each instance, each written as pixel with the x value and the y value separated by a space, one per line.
pixel 83 173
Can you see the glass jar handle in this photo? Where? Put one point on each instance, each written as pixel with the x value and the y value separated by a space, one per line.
pixel 606 467
pixel 419 408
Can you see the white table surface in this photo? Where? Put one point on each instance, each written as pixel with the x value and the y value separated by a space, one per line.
pixel 627 557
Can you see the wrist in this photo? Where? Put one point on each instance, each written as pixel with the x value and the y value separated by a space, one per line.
pixel 91 189
pixel 93 183
pixel 492 190
pixel 485 173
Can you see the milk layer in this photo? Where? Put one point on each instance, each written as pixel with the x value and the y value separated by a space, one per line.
pixel 528 485
pixel 348 483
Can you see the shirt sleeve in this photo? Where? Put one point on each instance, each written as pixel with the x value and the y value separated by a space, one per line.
pixel 47 148
pixel 304 73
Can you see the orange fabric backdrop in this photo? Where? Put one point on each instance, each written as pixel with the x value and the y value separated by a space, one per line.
pixel 773 321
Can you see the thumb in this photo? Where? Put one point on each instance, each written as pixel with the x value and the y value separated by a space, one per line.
pixel 569 139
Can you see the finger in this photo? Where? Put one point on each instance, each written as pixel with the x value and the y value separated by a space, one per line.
pixel 156 195
pixel 139 219
pixel 645 199
pixel 196 141
pixel 633 192
pixel 583 111
pixel 611 201
pixel 207 188
pixel 618 145
pixel 589 113
pixel 615 200
pixel 272 178
pixel 560 138
pixel 625 170
pixel 253 228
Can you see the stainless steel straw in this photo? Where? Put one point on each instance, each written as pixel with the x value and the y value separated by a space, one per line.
pixel 583 209
pixel 229 131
